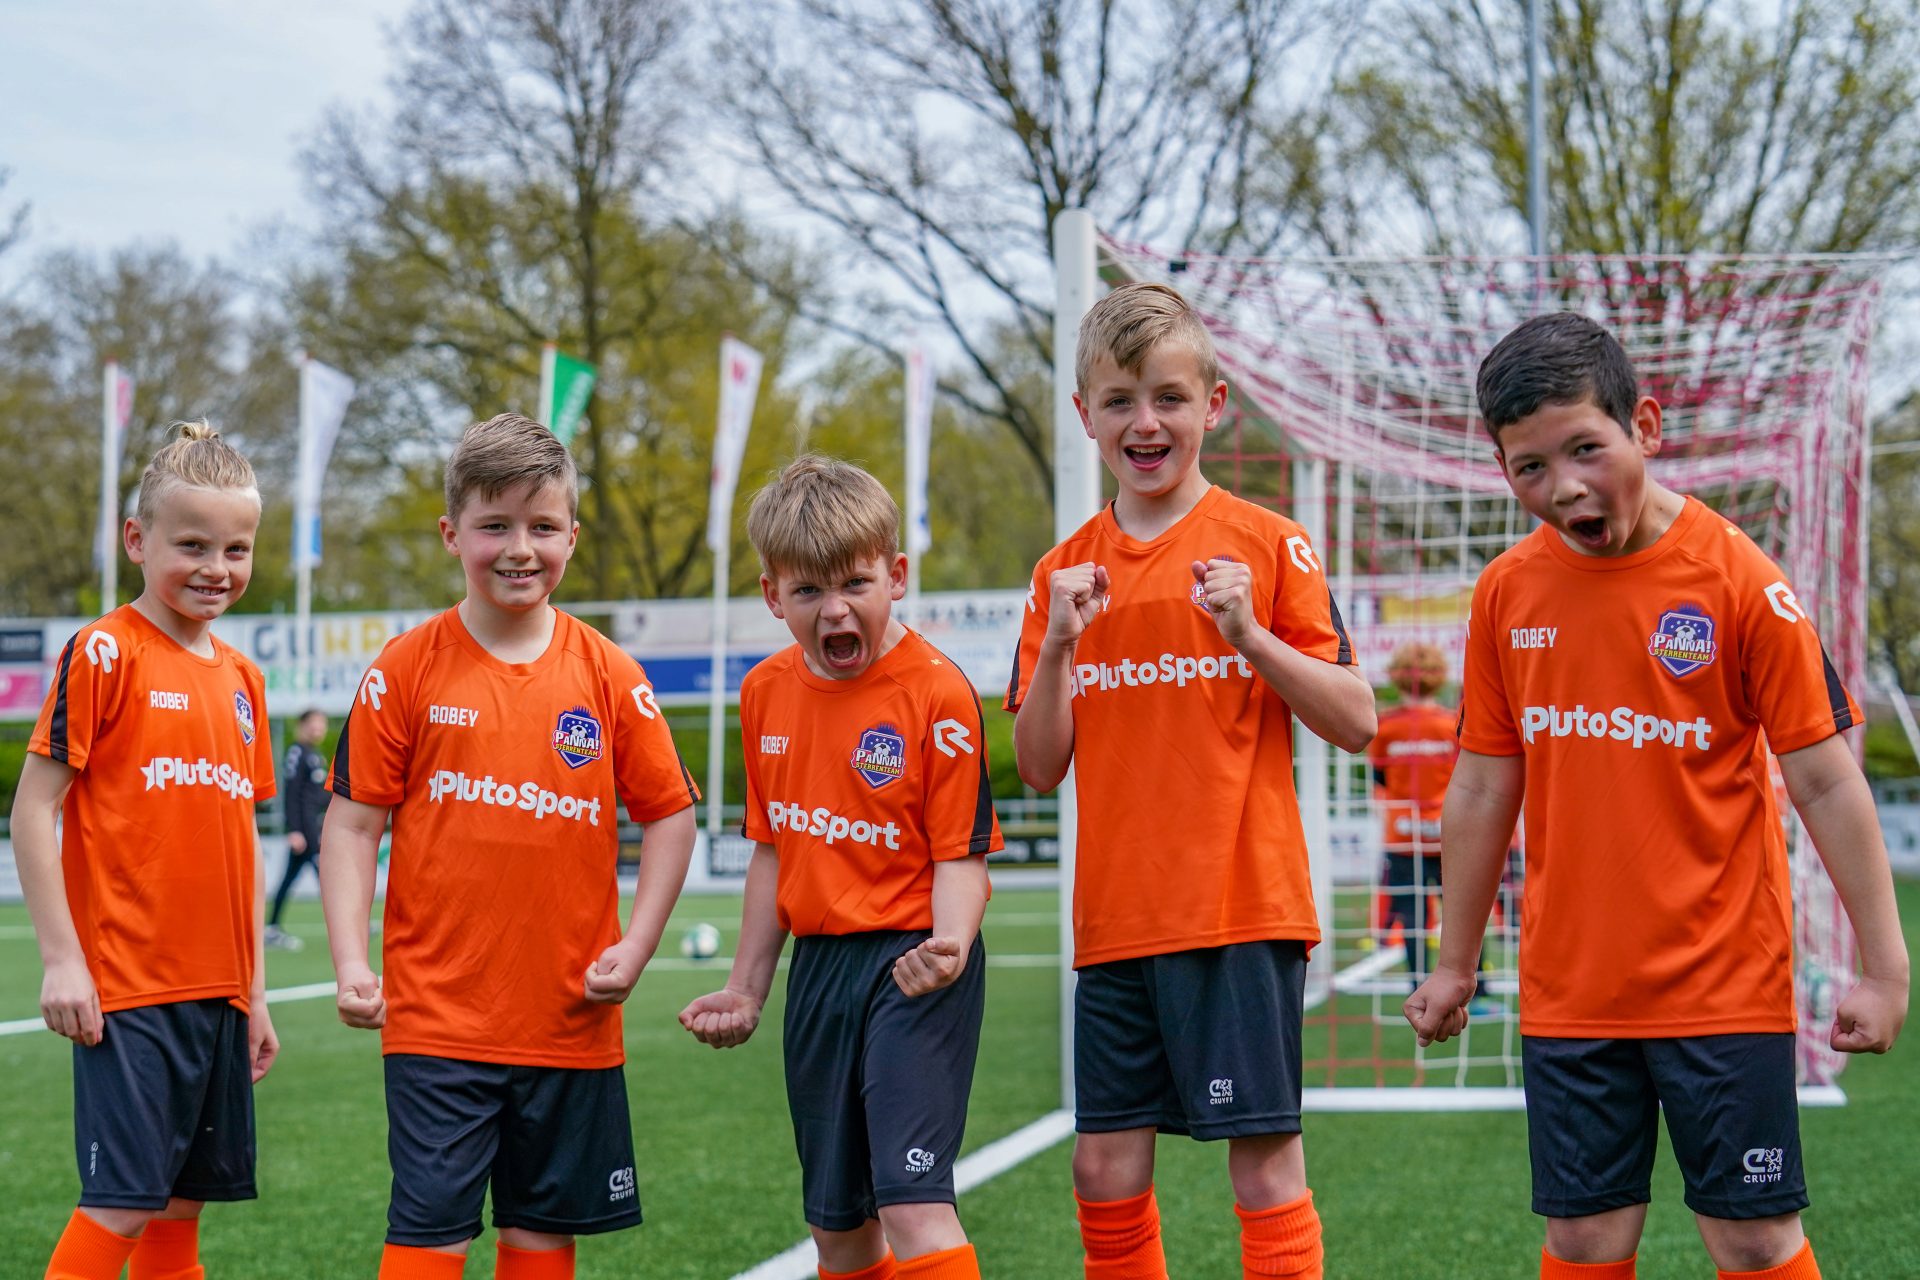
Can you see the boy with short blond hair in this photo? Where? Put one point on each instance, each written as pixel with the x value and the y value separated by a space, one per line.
pixel 1166 648
pixel 871 809
pixel 1631 667
pixel 500 736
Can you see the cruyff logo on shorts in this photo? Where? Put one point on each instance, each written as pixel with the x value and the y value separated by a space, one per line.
pixel 620 1183
pixel 1219 1092
pixel 920 1160
pixel 1764 1164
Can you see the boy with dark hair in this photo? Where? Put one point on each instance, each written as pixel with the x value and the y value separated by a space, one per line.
pixel 1630 666
pixel 500 735
pixel 870 806
pixel 1167 646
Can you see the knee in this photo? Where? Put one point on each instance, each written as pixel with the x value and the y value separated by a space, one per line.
pixel 914 1229
pixel 1753 1244
pixel 1268 1170
pixel 1596 1238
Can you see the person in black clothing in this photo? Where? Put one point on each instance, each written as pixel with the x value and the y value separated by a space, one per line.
pixel 303 790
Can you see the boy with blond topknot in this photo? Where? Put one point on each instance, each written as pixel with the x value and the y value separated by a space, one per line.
pixel 1167 646
pixel 500 736
pixel 148 905
pixel 869 803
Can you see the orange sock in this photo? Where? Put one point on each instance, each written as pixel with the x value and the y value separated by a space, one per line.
pixel 1552 1268
pixel 881 1270
pixel 958 1263
pixel 1800 1266
pixel 169 1249
pixel 88 1251
pixel 1281 1241
pixel 533 1264
pixel 404 1262
pixel 1122 1238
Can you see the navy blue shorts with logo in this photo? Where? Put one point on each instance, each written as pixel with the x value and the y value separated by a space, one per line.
pixel 163 1107
pixel 1203 1042
pixel 877 1081
pixel 1593 1121
pixel 555 1143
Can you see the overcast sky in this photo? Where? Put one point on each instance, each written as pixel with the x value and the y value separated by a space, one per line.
pixel 129 121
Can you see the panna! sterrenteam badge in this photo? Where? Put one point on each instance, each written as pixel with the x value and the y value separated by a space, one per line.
pixel 1683 641
pixel 577 737
pixel 881 756
pixel 243 712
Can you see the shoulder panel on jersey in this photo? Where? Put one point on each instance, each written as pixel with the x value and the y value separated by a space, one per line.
pixel 1345 655
pixel 342 773
pixel 1836 694
pixel 980 838
pixel 57 735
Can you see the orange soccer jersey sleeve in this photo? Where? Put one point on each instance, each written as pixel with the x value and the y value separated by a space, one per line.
pixel 754 826
pixel 959 790
pixel 1033 629
pixel 84 696
pixel 1304 614
pixel 1787 678
pixel 1486 724
pixel 371 757
pixel 649 776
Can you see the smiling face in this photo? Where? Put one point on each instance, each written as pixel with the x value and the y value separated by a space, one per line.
pixel 843 621
pixel 514 546
pixel 1578 470
pixel 195 555
pixel 1149 424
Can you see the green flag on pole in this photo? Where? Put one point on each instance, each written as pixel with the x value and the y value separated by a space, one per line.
pixel 566 384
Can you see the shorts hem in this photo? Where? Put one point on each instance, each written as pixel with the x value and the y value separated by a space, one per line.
pixel 124 1201
pixel 434 1239
pixel 1588 1205
pixel 887 1197
pixel 219 1195
pixel 849 1221
pixel 1245 1127
pixel 1127 1120
pixel 567 1226
pixel 1770 1206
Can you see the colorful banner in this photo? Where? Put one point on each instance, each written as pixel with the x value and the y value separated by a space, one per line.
pixel 740 367
pixel 324 394
pixel 566 385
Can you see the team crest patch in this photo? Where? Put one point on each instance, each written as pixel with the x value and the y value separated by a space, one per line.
pixel 1683 641
pixel 881 756
pixel 577 737
pixel 243 712
pixel 1198 595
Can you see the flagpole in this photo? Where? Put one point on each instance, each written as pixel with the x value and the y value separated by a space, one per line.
pixel 917 404
pixel 110 488
pixel 717 683
pixel 549 362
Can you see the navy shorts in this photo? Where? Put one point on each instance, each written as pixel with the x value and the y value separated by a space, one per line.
pixel 163 1107
pixel 555 1143
pixel 1593 1112
pixel 1203 1042
pixel 877 1081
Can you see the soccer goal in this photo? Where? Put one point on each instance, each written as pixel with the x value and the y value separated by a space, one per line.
pixel 1353 412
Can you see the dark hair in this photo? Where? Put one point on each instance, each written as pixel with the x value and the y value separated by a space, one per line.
pixel 1562 358
pixel 311 711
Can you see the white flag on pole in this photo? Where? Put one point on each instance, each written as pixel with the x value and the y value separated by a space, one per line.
pixel 919 434
pixel 324 393
pixel 116 410
pixel 740 368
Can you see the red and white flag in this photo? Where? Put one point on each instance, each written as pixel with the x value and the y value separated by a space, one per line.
pixel 740 367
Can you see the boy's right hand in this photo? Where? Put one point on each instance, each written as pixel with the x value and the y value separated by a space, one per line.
pixel 71 1004
pixel 1078 594
pixel 1438 1010
pixel 359 999
pixel 725 1020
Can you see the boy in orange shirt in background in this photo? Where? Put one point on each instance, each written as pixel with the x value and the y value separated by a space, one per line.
pixel 1412 758
pixel 1630 665
pixel 500 735
pixel 871 809
pixel 149 906
pixel 1167 646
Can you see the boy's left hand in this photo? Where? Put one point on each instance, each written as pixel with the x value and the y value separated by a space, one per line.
pixel 263 1046
pixel 1228 585
pixel 930 966
pixel 610 979
pixel 1869 1019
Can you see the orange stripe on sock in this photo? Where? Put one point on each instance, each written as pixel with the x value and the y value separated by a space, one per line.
pixel 1281 1241
pixel 1552 1268
pixel 881 1270
pixel 1122 1238
pixel 404 1262
pixel 958 1263
pixel 88 1251
pixel 1800 1266
pixel 169 1249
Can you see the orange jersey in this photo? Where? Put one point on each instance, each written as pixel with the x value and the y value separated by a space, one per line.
pixel 501 887
pixel 1413 752
pixel 1638 689
pixel 157 844
pixel 862 785
pixel 1189 831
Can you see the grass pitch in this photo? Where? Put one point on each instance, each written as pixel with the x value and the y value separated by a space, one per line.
pixel 1402 1196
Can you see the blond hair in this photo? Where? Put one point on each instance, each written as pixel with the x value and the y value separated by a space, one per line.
pixel 1127 324
pixel 819 516
pixel 504 452
pixel 196 459
pixel 1417 669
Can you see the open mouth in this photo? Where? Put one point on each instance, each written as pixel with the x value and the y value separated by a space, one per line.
pixel 1590 531
pixel 209 593
pixel 517 575
pixel 1147 457
pixel 841 649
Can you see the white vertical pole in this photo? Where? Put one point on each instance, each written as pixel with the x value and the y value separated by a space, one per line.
pixel 548 372
pixel 1076 498
pixel 717 706
pixel 1310 751
pixel 110 488
pixel 1342 560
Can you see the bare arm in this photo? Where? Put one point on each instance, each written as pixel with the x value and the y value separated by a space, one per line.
pixel 729 1016
pixel 348 866
pixel 1476 827
pixel 959 900
pixel 68 1000
pixel 1833 801
pixel 665 850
